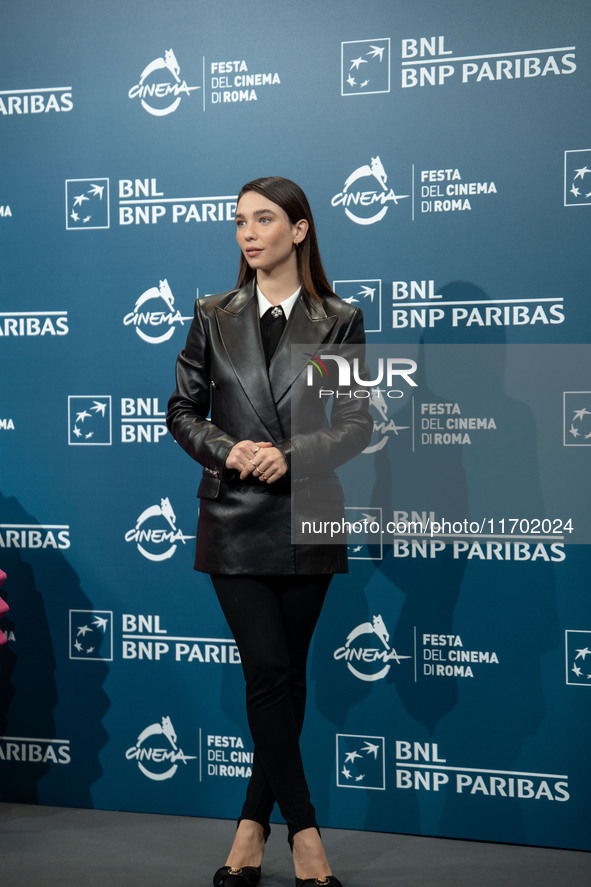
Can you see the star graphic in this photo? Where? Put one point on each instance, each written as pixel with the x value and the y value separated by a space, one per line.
pixel 371 749
pixel 83 630
pixel 376 51
pixel 365 82
pixel 346 773
pixel 74 216
pixel 575 191
pixel 100 623
pixel 360 777
pixel 97 189
pixel 78 200
pixel 574 431
pixel 351 80
pixel 80 417
pixel 78 646
pixel 90 434
pixel 350 300
pixel 577 670
pixel 87 219
pixel 367 291
pixel 580 173
pixel 356 62
pixel 578 414
pixel 350 757
pixel 77 431
pixel 582 654
pixel 99 407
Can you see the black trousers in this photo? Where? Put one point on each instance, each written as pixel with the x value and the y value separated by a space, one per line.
pixel 272 619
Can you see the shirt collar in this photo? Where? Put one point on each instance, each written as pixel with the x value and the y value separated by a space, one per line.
pixel 287 304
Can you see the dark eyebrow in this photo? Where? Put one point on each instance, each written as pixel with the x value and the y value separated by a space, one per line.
pixel 257 212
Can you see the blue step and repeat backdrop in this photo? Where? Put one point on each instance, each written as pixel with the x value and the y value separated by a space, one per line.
pixel 446 150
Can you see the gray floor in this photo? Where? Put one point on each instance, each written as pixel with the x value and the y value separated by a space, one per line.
pixel 62 847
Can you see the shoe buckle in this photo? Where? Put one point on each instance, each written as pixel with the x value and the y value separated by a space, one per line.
pixel 234 871
pixel 322 882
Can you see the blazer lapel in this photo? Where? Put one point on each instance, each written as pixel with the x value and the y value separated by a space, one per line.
pixel 239 328
pixel 308 326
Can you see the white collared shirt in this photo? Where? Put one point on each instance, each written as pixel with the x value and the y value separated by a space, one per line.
pixel 287 304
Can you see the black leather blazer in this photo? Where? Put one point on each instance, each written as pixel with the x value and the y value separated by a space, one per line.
pixel 246 526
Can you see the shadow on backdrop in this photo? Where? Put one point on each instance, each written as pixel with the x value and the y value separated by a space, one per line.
pixel 45 695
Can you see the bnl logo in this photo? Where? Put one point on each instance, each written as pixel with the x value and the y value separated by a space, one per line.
pixel 91 634
pixel 577 177
pixel 87 204
pixel 578 657
pixel 360 761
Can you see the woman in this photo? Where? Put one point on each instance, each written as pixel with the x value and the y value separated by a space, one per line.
pixel 270 589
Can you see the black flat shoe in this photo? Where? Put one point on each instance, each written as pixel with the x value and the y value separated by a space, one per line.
pixel 329 881
pixel 230 876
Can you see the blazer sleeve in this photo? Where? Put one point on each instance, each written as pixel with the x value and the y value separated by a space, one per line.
pixel 351 426
pixel 188 408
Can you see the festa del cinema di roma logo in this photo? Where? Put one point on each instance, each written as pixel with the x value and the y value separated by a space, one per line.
pixel 155 533
pixel 368 205
pixel 157 753
pixel 153 311
pixel 364 661
pixel 161 94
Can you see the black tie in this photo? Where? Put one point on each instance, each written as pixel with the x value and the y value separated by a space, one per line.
pixel 272 325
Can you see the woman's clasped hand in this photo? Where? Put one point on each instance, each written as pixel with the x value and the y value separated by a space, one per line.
pixel 261 459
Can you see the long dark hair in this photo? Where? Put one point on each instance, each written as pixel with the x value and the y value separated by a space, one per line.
pixel 294 203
